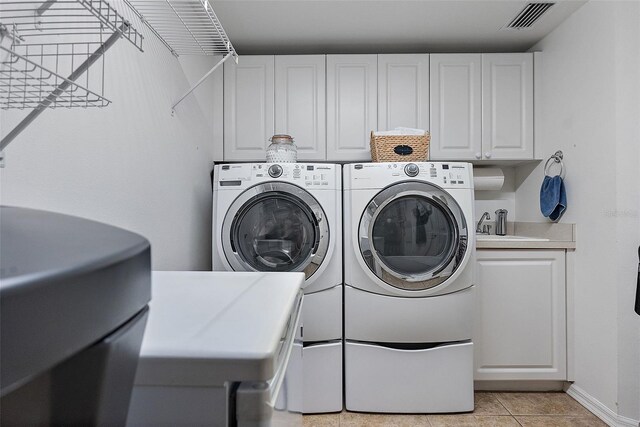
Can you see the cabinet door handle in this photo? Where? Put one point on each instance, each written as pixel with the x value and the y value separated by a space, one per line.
pixel 637 308
pixel 487 154
pixel 478 155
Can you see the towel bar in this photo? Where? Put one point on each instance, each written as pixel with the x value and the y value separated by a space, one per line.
pixel 557 158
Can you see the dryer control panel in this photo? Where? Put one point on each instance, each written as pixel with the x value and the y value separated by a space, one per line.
pixel 319 176
pixel 443 174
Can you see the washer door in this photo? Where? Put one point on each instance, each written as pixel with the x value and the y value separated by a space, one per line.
pixel 413 235
pixel 275 227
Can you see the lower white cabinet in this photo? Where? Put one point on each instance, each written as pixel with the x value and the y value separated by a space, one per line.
pixel 520 328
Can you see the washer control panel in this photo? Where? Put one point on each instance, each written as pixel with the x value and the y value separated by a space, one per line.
pixel 315 176
pixel 275 171
pixel 445 174
pixel 411 169
pixel 306 175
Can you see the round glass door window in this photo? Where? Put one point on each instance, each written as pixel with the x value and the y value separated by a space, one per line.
pixel 413 236
pixel 275 233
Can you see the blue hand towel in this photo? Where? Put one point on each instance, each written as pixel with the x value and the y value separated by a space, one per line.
pixel 553 198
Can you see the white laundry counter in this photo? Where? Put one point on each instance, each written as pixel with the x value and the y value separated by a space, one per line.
pixel 212 335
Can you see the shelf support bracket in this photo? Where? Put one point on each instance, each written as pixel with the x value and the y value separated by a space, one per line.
pixel 227 56
pixel 63 86
pixel 44 7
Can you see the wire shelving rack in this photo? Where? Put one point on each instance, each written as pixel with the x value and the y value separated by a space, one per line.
pixel 52 54
pixel 186 27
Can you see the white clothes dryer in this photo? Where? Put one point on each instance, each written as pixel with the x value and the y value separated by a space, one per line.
pixel 288 217
pixel 409 242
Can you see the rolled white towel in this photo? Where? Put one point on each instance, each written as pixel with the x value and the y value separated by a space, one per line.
pixel 400 131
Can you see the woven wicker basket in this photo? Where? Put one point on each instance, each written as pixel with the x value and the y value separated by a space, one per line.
pixel 400 148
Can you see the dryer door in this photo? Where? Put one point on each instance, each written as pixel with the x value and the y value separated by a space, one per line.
pixel 275 227
pixel 413 235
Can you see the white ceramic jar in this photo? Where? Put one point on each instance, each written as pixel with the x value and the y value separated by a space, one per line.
pixel 282 150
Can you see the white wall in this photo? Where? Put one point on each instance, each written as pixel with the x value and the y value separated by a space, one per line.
pixel 130 164
pixel 627 211
pixel 589 110
pixel 209 95
pixel 490 201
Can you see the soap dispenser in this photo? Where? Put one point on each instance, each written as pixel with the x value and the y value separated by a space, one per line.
pixel 501 222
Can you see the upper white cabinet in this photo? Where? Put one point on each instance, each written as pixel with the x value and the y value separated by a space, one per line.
pixel 476 106
pixel 456 106
pixel 300 104
pixel 264 95
pixel 403 91
pixel 520 326
pixel 482 106
pixel 351 105
pixel 507 106
pixel 248 107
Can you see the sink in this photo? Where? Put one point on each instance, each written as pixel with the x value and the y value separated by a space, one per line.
pixel 494 238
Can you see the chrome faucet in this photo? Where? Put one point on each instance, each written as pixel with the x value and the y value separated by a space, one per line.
pixel 480 229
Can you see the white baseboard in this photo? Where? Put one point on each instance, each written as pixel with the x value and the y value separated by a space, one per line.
pixel 599 409
pixel 518 385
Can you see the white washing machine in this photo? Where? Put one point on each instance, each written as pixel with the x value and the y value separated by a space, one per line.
pixel 409 242
pixel 288 217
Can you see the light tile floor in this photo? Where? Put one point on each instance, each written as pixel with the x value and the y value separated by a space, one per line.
pixel 491 410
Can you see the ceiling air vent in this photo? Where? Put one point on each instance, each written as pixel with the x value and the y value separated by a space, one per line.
pixel 529 15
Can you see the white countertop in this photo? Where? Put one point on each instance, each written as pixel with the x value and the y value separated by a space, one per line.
pixel 531 235
pixel 207 327
pixel 520 242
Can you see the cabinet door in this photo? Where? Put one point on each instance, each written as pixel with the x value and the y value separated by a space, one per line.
pixel 300 103
pixel 403 91
pixel 456 106
pixel 520 326
pixel 507 106
pixel 351 105
pixel 248 107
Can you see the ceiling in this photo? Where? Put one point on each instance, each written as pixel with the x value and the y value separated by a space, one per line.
pixel 375 26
